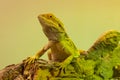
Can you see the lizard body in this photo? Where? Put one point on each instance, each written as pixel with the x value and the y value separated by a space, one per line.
pixel 102 53
pixel 61 46
pixel 106 43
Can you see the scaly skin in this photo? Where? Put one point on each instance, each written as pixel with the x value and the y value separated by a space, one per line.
pixel 105 44
pixel 61 46
pixel 102 52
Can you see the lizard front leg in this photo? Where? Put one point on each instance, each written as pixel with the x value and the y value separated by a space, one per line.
pixel 39 53
pixel 69 59
pixel 66 62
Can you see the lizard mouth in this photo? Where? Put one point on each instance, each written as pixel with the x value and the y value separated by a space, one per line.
pixel 41 20
pixel 45 21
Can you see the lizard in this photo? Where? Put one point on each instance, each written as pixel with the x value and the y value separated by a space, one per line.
pixel 62 49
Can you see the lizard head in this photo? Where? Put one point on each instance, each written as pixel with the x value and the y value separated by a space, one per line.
pixel 52 26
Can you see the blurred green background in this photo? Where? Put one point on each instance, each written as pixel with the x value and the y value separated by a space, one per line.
pixel 21 34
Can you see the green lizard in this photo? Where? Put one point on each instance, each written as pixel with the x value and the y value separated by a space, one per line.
pixel 61 46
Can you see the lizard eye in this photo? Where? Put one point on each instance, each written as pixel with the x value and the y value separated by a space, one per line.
pixel 50 16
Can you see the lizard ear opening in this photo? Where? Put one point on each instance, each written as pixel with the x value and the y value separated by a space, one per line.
pixel 61 26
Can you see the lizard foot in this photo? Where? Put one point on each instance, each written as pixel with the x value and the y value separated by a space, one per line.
pixel 30 60
pixel 62 69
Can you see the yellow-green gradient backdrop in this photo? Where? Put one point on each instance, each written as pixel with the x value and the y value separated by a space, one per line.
pixel 21 34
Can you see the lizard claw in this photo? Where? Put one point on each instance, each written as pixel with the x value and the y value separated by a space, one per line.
pixel 30 60
pixel 62 68
pixel 62 65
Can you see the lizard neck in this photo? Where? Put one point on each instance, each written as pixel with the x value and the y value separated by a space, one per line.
pixel 57 36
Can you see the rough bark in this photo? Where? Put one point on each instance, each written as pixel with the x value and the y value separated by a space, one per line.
pixel 40 70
